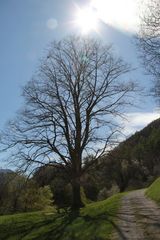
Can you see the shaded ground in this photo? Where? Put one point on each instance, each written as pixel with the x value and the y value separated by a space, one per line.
pixel 94 222
pixel 138 218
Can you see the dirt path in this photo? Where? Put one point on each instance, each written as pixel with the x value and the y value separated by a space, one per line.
pixel 138 219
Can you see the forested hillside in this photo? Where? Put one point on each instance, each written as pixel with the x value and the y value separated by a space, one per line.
pixel 136 161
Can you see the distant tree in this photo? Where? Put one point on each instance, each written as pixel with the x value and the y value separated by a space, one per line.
pixel 11 185
pixel 19 194
pixel 34 198
pixel 70 109
pixel 149 41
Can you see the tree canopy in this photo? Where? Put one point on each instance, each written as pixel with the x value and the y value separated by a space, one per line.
pixel 149 41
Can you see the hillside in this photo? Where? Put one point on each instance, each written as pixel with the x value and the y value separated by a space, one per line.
pixel 144 148
pixel 135 162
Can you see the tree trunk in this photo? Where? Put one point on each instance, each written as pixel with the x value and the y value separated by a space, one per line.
pixel 76 192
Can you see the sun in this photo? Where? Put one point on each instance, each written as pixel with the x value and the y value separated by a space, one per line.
pixel 86 20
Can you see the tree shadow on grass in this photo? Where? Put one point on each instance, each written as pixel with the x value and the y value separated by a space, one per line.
pixel 49 228
pixel 67 226
pixel 91 226
pixel 108 219
pixel 57 231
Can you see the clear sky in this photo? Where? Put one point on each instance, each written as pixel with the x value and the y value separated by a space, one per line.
pixel 28 26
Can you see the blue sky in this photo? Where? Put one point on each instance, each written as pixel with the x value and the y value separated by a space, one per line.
pixel 28 26
pixel 24 35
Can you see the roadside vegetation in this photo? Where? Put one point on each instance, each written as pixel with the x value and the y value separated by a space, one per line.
pixel 153 191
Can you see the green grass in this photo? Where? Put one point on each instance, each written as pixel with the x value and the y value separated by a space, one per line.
pixel 153 191
pixel 95 222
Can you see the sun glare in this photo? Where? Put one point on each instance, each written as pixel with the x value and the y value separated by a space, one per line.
pixel 86 20
pixel 122 14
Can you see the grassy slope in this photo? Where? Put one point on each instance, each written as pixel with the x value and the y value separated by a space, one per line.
pixel 153 191
pixel 95 222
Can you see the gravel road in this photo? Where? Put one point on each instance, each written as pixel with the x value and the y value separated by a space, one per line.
pixel 138 218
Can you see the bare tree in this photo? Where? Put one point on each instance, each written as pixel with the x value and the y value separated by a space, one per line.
pixel 70 109
pixel 149 41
